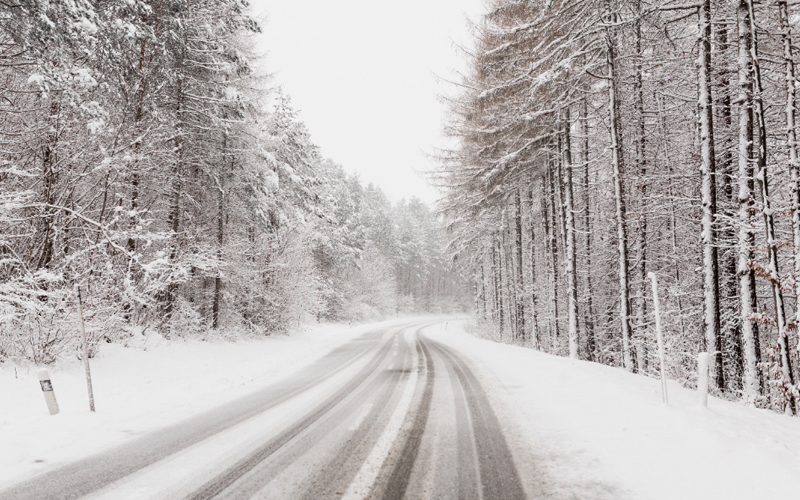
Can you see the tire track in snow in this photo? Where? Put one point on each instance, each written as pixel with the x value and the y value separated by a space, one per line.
pixel 498 474
pixel 228 477
pixel 398 481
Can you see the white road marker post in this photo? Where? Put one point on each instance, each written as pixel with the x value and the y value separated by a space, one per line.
pixel 85 350
pixel 702 378
pixel 659 337
pixel 47 390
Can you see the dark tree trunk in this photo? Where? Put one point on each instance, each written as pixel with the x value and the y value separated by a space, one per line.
pixel 746 239
pixel 619 189
pixel 548 215
pixel 711 321
pixel 569 248
pixel 520 282
pixel 591 343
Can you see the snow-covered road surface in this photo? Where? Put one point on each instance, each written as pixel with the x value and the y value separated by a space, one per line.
pixel 391 414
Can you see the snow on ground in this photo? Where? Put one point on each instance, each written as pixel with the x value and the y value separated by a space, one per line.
pixel 140 389
pixel 592 432
pixel 604 433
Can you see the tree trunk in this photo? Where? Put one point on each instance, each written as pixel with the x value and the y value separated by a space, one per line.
pixel 569 222
pixel 498 284
pixel 507 260
pixel 216 308
pixel 482 296
pixel 175 205
pixel 711 323
pixel 49 180
pixel 588 322
pixel 730 320
pixel 747 295
pixel 215 311
pixel 533 299
pixel 137 145
pixel 641 161
pixel 550 240
pixel 619 192
pixel 520 282
pixel 791 143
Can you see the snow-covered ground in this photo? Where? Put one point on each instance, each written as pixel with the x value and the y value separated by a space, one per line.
pixel 604 433
pixel 138 389
pixel 596 431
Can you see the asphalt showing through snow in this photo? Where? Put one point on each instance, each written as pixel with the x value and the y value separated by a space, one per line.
pixel 391 415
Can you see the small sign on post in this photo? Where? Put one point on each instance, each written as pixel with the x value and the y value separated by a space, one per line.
pixel 47 390
pixel 85 350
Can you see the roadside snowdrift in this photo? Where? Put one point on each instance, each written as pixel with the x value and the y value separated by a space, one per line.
pixel 605 434
pixel 140 389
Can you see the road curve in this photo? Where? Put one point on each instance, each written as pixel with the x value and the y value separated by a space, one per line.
pixel 390 415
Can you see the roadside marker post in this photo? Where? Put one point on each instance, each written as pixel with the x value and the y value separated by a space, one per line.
pixel 659 337
pixel 47 390
pixel 85 350
pixel 702 378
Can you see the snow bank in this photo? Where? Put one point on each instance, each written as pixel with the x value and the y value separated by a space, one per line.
pixel 140 389
pixel 599 432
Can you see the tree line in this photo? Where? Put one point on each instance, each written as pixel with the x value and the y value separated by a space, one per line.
pixel 599 140
pixel 145 156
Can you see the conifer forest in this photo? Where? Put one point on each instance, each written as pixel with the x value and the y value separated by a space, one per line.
pixel 146 157
pixel 598 141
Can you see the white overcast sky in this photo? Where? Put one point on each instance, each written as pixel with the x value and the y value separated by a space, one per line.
pixel 363 74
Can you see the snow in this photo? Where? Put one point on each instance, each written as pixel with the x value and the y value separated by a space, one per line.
pixel 594 431
pixel 95 125
pixel 87 26
pixel 606 433
pixel 139 389
pixel 83 76
pixel 36 79
pixel 231 93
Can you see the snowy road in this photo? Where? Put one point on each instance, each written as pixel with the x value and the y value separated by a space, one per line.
pixel 392 414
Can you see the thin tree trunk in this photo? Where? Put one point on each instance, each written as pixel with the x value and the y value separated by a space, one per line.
pixel 216 308
pixel 711 323
pixel 215 311
pixel 730 321
pixel 507 268
pixel 558 183
pixel 49 180
pixel 533 299
pixel 791 144
pixel 550 237
pixel 520 282
pixel 137 145
pixel 498 277
pixel 482 295
pixel 619 192
pixel 641 161
pixel 591 346
pixel 569 222
pixel 752 384
pixel 175 204
pixel 493 277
